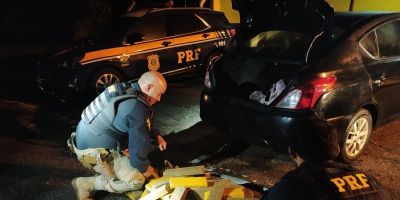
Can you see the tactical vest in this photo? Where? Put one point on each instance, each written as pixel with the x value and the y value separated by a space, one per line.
pixel 99 115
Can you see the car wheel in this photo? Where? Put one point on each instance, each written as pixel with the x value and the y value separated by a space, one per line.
pixel 103 78
pixel 356 136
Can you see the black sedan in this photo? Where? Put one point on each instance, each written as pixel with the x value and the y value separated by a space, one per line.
pixel 284 73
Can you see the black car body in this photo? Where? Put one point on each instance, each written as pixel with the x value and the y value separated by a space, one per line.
pixel 171 40
pixel 351 79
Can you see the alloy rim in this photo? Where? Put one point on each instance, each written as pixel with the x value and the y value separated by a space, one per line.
pixel 104 81
pixel 357 137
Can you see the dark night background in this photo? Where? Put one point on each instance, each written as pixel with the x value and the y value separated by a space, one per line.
pixel 35 162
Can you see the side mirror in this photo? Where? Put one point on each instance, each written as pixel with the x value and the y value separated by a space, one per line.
pixel 134 37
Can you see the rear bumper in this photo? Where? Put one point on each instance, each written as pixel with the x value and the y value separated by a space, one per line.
pixel 253 122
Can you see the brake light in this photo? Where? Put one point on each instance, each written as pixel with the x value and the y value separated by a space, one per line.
pixel 307 95
pixel 232 32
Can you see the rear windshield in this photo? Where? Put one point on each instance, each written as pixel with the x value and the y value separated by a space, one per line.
pixel 289 44
pixel 279 43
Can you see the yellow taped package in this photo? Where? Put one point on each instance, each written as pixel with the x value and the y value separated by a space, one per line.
pixel 189 182
pixel 155 183
pixel 237 193
pixel 207 195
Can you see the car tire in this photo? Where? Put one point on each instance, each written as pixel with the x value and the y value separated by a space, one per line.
pixel 356 136
pixel 103 78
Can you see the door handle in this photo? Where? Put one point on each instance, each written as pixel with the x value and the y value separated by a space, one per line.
pixel 205 35
pixel 166 43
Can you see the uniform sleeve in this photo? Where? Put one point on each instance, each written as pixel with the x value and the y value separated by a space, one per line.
pixel 154 133
pixel 139 142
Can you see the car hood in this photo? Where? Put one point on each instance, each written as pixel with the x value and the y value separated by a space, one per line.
pixel 78 49
pixel 295 15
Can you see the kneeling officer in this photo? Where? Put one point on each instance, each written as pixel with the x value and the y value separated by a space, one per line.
pixel 314 147
pixel 114 134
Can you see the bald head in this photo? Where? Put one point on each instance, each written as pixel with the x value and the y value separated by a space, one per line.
pixel 153 84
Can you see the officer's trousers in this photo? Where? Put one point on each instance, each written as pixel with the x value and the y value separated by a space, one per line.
pixel 115 174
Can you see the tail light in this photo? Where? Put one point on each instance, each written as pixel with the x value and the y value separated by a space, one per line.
pixel 232 32
pixel 306 96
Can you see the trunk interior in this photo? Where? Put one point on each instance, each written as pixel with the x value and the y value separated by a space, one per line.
pixel 254 77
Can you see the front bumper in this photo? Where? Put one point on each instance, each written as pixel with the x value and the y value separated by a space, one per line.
pixel 59 81
pixel 253 122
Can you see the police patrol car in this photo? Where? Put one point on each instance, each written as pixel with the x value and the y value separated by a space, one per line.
pixel 171 40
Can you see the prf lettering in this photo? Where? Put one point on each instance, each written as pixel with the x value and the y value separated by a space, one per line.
pixel 357 182
pixel 188 55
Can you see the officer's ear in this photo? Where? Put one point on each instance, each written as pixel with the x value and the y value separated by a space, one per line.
pixel 149 87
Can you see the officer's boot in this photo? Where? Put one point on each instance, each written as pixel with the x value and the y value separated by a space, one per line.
pixel 83 186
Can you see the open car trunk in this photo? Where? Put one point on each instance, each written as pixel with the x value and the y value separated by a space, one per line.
pixel 266 64
pixel 257 78
pixel 277 40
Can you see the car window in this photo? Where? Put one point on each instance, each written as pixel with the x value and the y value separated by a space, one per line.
pixel 368 43
pixel 114 29
pixel 279 43
pixel 215 19
pixel 151 27
pixel 178 24
pixel 389 39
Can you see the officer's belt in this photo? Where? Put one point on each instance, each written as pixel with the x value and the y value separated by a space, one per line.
pixel 117 137
pixel 92 156
pixel 72 147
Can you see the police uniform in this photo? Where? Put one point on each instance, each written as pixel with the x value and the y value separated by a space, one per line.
pixel 326 180
pixel 118 119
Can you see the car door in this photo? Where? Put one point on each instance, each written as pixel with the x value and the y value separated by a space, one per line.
pixel 186 30
pixel 383 45
pixel 151 52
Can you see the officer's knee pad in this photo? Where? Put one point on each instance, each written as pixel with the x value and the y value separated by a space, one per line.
pixel 126 173
pixel 134 180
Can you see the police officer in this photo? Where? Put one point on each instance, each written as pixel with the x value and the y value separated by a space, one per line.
pixel 313 147
pixel 114 134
